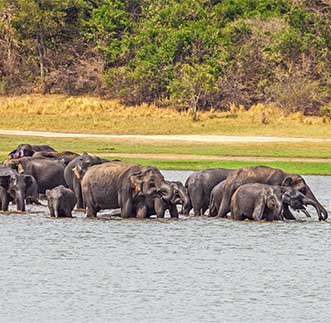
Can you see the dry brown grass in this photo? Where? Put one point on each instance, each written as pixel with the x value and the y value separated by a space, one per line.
pixel 95 115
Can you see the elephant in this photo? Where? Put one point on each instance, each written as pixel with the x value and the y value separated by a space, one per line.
pixel 118 185
pixel 147 206
pixel 27 150
pixel 61 201
pixel 16 187
pixel 256 202
pixel 270 176
pixel 75 171
pixel 215 200
pixel 262 201
pixel 48 173
pixel 199 186
pixel 65 156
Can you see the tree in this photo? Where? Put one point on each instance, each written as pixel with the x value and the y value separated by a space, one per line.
pixel 193 85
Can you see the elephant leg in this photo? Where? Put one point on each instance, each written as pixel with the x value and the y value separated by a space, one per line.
pixel 91 212
pixel 287 214
pixel 126 206
pixel 141 212
pixel 203 210
pixel 159 208
pixel 4 200
pixel 173 211
pixel 78 193
pixel 51 211
pixel 186 210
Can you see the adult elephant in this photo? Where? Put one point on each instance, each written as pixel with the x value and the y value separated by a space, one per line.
pixel 66 156
pixel 15 187
pixel 261 201
pixel 148 206
pixel 48 173
pixel 27 150
pixel 270 176
pixel 199 186
pixel 75 171
pixel 119 184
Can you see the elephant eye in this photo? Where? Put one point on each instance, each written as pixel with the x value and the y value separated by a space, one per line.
pixel 303 190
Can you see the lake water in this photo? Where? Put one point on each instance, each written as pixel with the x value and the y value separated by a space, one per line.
pixel 187 270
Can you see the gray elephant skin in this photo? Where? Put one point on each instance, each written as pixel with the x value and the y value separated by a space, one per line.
pixel 261 201
pixel 27 150
pixel 48 173
pixel 75 171
pixel 199 186
pixel 118 185
pixel 61 201
pixel 270 176
pixel 148 206
pixel 15 187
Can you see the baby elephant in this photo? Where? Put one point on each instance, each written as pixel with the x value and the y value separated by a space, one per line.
pixel 61 201
pixel 256 202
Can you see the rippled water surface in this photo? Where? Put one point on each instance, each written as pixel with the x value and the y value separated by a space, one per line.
pixel 189 270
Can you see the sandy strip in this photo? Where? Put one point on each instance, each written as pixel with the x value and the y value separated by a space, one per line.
pixel 183 138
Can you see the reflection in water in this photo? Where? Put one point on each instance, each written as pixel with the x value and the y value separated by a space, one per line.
pixel 195 269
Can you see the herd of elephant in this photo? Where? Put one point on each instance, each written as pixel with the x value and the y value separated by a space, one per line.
pixel 91 183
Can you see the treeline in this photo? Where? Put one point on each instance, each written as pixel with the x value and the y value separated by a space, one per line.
pixel 188 53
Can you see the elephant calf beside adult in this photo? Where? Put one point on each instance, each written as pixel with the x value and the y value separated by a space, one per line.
pixel 270 176
pixel 265 202
pixel 148 206
pixel 119 185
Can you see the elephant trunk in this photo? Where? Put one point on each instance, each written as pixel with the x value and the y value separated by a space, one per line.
pixel 311 199
pixel 316 205
pixel 20 203
pixel 166 192
pixel 184 198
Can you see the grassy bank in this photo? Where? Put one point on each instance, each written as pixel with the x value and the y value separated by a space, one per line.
pixel 181 152
pixel 94 115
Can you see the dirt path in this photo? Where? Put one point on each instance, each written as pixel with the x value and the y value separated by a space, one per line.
pixel 212 158
pixel 183 138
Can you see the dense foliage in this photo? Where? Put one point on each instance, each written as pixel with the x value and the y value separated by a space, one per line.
pixel 188 53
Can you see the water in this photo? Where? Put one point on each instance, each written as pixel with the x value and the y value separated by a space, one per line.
pixel 189 270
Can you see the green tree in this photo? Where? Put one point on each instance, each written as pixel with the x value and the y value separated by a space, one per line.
pixel 194 83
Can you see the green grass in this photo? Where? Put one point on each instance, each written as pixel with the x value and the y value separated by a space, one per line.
pixel 304 168
pixel 97 146
pixel 107 147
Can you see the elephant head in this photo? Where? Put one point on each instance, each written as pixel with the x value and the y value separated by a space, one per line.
pixel 180 195
pixel 298 201
pixel 84 163
pixel 298 183
pixel 273 207
pixel 15 185
pixel 148 181
pixel 22 150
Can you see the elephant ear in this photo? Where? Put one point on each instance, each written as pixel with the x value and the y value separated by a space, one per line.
pixel 5 181
pixel 136 180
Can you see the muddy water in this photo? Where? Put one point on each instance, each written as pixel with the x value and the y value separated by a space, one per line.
pixel 190 270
